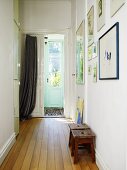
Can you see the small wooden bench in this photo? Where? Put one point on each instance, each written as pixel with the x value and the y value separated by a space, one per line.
pixel 74 126
pixel 81 137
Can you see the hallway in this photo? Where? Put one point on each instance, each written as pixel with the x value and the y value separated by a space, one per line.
pixel 43 145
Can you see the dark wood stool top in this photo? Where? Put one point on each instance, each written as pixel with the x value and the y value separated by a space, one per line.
pixel 74 126
pixel 84 133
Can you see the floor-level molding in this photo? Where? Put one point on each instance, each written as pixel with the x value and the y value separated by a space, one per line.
pixel 6 148
pixel 34 114
pixel 100 162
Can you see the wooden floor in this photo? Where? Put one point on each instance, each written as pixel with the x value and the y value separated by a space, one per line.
pixel 43 145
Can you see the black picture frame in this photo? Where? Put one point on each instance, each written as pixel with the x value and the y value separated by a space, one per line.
pixel 109 54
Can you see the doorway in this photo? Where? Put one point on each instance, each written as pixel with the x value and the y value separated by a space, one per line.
pixel 54 75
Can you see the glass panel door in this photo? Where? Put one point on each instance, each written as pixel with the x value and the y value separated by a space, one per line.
pixel 54 74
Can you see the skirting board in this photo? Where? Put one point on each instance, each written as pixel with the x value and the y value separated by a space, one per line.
pixel 6 148
pixel 100 163
pixel 37 115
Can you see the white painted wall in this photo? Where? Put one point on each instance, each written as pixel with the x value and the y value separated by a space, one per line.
pixel 45 15
pixel 80 13
pixel 81 89
pixel 77 90
pixel 72 63
pixel 6 77
pixel 106 99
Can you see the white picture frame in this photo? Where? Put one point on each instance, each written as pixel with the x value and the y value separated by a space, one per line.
pixel 89 69
pixel 90 25
pixel 94 49
pixel 80 54
pixel 109 54
pixel 100 6
pixel 115 5
pixel 90 52
pixel 95 72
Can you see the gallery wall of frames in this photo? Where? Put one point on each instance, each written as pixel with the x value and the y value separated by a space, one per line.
pixel 106 48
pixel 107 65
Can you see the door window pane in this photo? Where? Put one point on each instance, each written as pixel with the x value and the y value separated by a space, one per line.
pixel 54 63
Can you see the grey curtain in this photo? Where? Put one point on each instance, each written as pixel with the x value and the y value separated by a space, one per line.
pixel 28 80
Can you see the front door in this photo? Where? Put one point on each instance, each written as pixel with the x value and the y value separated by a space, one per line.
pixel 53 93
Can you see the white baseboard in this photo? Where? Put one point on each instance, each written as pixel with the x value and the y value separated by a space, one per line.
pixel 6 148
pixel 100 162
pixel 37 115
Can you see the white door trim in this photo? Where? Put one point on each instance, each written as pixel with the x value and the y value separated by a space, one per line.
pixel 39 110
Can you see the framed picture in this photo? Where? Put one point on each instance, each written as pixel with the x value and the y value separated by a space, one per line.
pixel 115 5
pixel 94 50
pixel 109 54
pixel 89 69
pixel 100 4
pixel 80 58
pixel 90 52
pixel 79 110
pixel 95 72
pixel 90 20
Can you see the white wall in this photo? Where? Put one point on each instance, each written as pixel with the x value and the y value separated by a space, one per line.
pixel 106 99
pixel 6 77
pixel 72 63
pixel 45 15
pixel 78 14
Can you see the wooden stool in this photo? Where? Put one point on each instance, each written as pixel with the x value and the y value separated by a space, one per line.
pixel 74 126
pixel 82 137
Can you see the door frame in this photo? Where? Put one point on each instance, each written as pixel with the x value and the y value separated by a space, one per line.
pixel 67 76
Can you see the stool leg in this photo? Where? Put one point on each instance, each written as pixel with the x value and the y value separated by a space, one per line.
pixel 92 152
pixel 72 145
pixel 75 151
pixel 70 138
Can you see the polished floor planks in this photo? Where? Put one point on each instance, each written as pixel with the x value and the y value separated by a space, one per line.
pixel 43 145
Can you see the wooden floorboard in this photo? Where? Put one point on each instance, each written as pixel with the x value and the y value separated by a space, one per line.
pixel 51 149
pixel 37 148
pixel 13 154
pixel 24 149
pixel 43 145
pixel 58 152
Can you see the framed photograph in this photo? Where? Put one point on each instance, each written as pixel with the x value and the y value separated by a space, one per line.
pixel 115 5
pixel 90 52
pixel 90 20
pixel 100 4
pixel 109 54
pixel 94 50
pixel 95 72
pixel 89 69
pixel 80 55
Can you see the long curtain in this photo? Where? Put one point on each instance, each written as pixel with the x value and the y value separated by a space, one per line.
pixel 28 80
